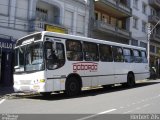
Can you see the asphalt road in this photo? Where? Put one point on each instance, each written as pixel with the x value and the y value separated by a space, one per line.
pixel 143 99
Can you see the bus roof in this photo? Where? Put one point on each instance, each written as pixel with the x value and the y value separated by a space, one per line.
pixel 68 36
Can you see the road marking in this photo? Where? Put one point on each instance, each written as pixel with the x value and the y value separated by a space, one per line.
pixel 2 101
pixel 108 111
pixel 138 108
pixel 91 116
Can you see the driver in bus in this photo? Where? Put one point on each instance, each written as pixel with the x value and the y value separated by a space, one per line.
pixel 52 59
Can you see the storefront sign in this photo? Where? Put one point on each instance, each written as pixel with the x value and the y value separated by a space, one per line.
pixel 6 45
pixel 52 28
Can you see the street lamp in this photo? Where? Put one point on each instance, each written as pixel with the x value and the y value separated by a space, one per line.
pixel 148 38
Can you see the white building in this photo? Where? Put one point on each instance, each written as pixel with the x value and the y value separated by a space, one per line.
pixel 144 12
pixel 21 17
pixel 139 20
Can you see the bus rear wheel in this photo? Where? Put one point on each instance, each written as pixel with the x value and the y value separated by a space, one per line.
pixel 72 87
pixel 130 80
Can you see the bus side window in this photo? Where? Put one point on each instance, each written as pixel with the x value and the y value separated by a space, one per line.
pixel 74 50
pixel 105 53
pixel 118 54
pixel 90 51
pixel 144 57
pixel 127 55
pixel 137 56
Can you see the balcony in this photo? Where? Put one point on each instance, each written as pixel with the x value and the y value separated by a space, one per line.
pixel 153 19
pixel 110 29
pixel 155 4
pixel 36 26
pixel 115 8
pixel 155 37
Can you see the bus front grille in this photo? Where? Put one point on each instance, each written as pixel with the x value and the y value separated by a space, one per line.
pixel 25 82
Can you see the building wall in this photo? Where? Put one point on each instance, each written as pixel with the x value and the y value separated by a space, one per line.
pixel 17 17
pixel 109 22
pixel 137 33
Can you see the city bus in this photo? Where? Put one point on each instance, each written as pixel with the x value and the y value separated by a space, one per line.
pixel 48 62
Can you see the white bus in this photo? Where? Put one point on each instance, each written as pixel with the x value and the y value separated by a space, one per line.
pixel 47 62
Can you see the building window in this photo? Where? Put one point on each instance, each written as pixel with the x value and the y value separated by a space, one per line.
pixel 144 8
pixel 41 14
pixel 4 7
pixel 135 4
pixel 144 24
pixel 120 24
pixel 97 15
pixel 135 22
pixel 68 22
pixel 153 12
pixel 113 21
pixel 158 50
pixel 144 45
pixel 105 18
pixel 134 42
pixel 152 48
pixel 80 24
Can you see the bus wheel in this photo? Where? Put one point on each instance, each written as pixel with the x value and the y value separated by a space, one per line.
pixel 72 87
pixel 130 80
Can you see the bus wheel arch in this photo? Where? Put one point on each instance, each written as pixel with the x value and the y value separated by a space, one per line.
pixel 130 79
pixel 73 85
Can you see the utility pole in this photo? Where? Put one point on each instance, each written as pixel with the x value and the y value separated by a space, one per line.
pixel 148 41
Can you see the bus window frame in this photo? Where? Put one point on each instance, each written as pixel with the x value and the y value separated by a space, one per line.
pixel 100 57
pixel 75 55
pixel 137 59
pixel 130 56
pixel 89 52
pixel 122 55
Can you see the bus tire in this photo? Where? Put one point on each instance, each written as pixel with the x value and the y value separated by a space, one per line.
pixel 130 80
pixel 73 87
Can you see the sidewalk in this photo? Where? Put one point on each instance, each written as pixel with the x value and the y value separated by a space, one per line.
pixel 5 90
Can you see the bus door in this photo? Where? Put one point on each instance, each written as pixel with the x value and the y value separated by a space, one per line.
pixel 55 60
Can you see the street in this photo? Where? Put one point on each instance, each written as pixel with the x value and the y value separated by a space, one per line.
pixel 144 99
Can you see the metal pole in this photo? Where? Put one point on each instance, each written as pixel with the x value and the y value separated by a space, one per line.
pixel 148 42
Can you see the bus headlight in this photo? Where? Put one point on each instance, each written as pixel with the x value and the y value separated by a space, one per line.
pixel 42 80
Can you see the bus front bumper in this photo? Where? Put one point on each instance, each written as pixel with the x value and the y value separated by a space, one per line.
pixel 29 88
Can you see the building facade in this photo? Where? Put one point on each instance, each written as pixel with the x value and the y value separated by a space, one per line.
pixel 145 17
pixel 154 18
pixel 110 20
pixel 139 22
pixel 22 17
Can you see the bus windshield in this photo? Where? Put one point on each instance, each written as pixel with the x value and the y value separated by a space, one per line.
pixel 29 57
